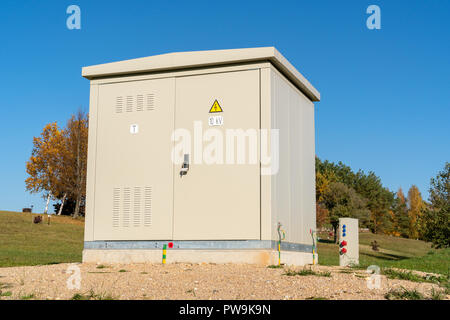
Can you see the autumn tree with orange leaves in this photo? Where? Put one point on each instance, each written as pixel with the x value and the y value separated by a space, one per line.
pixel 76 138
pixel 57 166
pixel 415 207
pixel 401 218
pixel 44 165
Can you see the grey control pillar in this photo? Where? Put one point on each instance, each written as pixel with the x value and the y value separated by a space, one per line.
pixel 348 242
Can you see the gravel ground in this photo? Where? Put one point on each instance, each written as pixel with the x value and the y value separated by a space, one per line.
pixel 193 281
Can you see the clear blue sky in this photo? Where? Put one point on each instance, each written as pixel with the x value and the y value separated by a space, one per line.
pixel 385 93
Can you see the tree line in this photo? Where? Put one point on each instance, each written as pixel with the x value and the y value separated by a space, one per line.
pixel 341 192
pixel 58 162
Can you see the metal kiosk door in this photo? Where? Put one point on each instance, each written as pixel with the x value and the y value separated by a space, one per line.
pixel 216 199
pixel 134 182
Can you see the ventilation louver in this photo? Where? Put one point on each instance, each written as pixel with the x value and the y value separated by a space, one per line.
pixel 138 103
pixel 132 207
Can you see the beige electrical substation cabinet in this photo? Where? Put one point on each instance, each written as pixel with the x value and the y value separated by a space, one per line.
pixel 210 151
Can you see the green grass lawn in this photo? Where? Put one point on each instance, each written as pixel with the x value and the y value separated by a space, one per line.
pixel 394 252
pixel 23 243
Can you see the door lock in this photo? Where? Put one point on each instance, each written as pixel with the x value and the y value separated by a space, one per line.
pixel 185 166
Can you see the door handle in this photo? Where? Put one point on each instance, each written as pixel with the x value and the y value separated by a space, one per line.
pixel 185 166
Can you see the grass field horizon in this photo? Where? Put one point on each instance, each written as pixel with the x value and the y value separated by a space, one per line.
pixel 23 243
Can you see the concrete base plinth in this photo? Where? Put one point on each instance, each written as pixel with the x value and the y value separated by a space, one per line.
pixel 256 256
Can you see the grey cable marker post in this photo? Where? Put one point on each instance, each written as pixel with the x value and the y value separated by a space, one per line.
pixel 348 242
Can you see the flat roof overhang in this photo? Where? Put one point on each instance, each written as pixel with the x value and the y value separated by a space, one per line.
pixel 197 59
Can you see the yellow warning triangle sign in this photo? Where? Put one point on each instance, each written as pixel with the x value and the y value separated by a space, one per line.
pixel 215 107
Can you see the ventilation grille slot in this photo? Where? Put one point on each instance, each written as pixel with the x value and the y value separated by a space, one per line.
pixel 119 104
pixel 130 103
pixel 137 207
pixel 116 207
pixel 126 203
pixel 148 206
pixel 132 207
pixel 138 103
pixel 150 102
